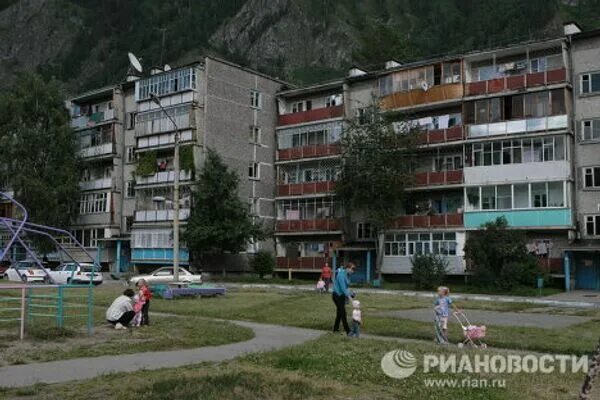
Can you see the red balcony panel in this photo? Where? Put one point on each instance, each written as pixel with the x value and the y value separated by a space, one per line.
pixel 536 79
pixel 556 75
pixel 421 221
pixel 437 178
pixel 496 85
pixel 308 188
pixel 422 179
pixel 295 189
pixel 309 151
pixel 454 219
pixel 283 262
pixel 333 225
pixel 307 262
pixel 405 221
pixel 296 152
pixel 295 225
pixel 284 154
pixel 475 88
pixel 454 176
pixel 308 225
pixel 436 136
pixel 437 220
pixel 454 133
pixel 319 262
pixel 318 150
pixel 551 265
pixel 283 190
pixel 423 138
pixel 515 82
pixel 311 115
pixel 282 226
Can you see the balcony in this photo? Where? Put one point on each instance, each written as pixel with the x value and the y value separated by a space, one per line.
pixel 415 97
pixel 163 177
pixel 163 140
pixel 156 126
pixel 442 135
pixel 426 221
pixel 160 215
pixel 439 178
pixel 316 225
pixel 555 218
pixel 97 151
pixel 305 263
pixel 96 184
pixel 308 188
pixel 516 82
pixel 317 150
pixel 89 121
pixel 158 254
pixel 317 114
pixel 542 124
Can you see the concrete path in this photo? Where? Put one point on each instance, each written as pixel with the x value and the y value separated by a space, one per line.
pixel 566 300
pixel 267 338
pixel 483 317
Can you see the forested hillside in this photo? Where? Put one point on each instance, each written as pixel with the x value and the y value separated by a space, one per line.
pixel 84 42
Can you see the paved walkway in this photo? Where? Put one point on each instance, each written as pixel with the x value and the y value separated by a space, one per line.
pixel 574 299
pixel 267 338
pixel 479 317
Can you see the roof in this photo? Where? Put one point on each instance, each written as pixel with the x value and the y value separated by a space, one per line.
pixel 586 35
pixel 95 94
pixel 319 87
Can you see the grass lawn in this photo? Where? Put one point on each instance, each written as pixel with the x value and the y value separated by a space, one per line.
pixel 316 311
pixel 331 367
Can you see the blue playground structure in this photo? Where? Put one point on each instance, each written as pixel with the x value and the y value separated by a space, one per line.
pixel 43 300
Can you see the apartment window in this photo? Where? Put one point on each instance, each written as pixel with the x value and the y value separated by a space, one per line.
pixel 130 189
pixel 444 243
pixel 518 196
pixel 591 177
pixel 364 115
pixel 131 120
pixel 166 83
pixel 253 206
pixel 93 203
pixel 590 129
pixel 537 64
pixel 592 225
pixel 590 83
pixel 401 244
pixel 313 134
pixel 521 195
pixel 334 100
pixel 364 231
pixel 517 151
pixel 448 163
pixel 452 73
pixel 255 99
pixel 254 170
pixel 255 134
pixel 298 107
pixel 130 154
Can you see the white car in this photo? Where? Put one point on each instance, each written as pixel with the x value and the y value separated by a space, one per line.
pixel 165 275
pixel 25 271
pixel 77 273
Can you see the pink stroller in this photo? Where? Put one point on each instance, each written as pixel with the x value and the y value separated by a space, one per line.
pixel 472 333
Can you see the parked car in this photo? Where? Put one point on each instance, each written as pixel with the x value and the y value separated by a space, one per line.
pixel 3 267
pixel 165 275
pixel 25 271
pixel 77 273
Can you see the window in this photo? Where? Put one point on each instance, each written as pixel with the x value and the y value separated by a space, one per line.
pixel 94 203
pixel 131 120
pixel 328 133
pixel 400 244
pixel 255 99
pixel 298 107
pixel 539 195
pixel 591 177
pixel 130 155
pixel 488 198
pixel 518 196
pixel 166 83
pixel 334 100
pixel 130 189
pixel 452 73
pixel 364 231
pixel 537 64
pixel 521 193
pixel 590 83
pixel 592 225
pixel 255 134
pixel 504 197
pixel 254 170
pixel 536 104
pixel 253 206
pixel 590 129
pixel 364 115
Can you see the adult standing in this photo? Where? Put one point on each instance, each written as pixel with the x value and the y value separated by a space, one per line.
pixel 340 294
pixel 326 276
pixel 120 313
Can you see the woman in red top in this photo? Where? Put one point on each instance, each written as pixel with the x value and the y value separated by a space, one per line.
pixel 326 276
pixel 146 295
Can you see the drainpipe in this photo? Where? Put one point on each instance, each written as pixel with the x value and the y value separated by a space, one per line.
pixel 122 173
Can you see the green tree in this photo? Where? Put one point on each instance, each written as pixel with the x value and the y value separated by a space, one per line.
pixel 428 270
pixel 38 150
pixel 263 263
pixel 220 221
pixel 375 171
pixel 497 255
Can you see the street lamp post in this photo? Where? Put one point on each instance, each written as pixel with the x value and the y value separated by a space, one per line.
pixel 156 101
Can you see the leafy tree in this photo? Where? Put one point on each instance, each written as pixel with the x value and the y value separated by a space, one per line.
pixel 497 256
pixel 38 150
pixel 375 171
pixel 428 270
pixel 219 221
pixel 263 263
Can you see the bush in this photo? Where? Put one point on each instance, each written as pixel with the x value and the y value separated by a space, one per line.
pixel 428 271
pixel 263 263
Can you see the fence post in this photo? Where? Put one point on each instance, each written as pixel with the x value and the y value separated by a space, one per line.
pixel 90 320
pixel 22 332
pixel 59 308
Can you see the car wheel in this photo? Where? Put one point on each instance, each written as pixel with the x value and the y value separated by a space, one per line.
pixel 68 281
pixel 24 279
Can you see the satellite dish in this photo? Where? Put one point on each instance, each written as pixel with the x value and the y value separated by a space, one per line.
pixel 167 67
pixel 424 86
pixel 135 63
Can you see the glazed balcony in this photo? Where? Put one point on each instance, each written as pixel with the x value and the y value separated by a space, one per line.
pixel 415 97
pixel 439 178
pixel 438 136
pixel 89 121
pixel 163 177
pixel 102 150
pixel 425 221
pixel 305 225
pixel 317 150
pixel 160 215
pixel 516 82
pixel 97 184
pixel 307 188
pixel 317 114
pixel 305 263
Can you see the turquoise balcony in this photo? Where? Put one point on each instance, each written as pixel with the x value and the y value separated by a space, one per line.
pixel 154 256
pixel 522 218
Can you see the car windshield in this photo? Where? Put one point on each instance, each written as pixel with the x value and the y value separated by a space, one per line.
pixel 88 268
pixel 27 265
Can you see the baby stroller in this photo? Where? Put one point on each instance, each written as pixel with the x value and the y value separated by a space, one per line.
pixel 472 333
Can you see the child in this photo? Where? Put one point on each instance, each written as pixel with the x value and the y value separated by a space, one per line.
pixel 442 306
pixel 356 319
pixel 138 304
pixel 321 286
pixel 145 295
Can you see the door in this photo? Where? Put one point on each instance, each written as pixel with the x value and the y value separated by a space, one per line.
pixel 587 273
